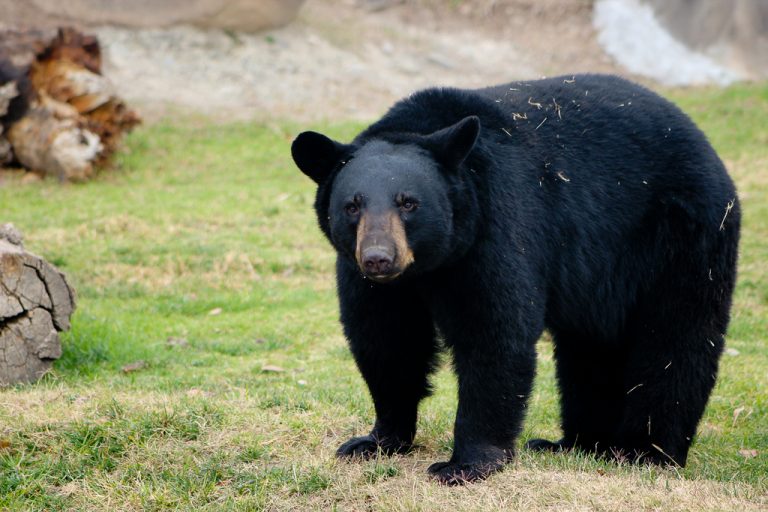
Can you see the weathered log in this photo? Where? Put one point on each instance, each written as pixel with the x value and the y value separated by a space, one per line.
pixel 36 303
pixel 7 93
pixel 72 121
pixel 51 139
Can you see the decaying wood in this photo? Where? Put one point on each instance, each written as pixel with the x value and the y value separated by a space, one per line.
pixel 73 120
pixel 51 139
pixel 36 303
pixel 7 93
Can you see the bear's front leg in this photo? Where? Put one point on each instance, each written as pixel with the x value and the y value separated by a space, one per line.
pixel 492 400
pixel 494 386
pixel 493 341
pixel 392 338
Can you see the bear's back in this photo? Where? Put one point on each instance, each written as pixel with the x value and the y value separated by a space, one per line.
pixel 612 141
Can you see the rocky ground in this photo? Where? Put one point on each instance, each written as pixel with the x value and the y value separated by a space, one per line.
pixel 350 59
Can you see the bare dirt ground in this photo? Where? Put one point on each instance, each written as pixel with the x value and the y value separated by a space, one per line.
pixel 353 58
pixel 350 58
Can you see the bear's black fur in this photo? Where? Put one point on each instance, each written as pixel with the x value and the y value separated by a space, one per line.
pixel 585 205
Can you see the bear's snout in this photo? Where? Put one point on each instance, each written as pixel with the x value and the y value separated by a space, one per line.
pixel 377 260
pixel 382 251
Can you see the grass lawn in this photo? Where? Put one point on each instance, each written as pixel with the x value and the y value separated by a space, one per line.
pixel 204 235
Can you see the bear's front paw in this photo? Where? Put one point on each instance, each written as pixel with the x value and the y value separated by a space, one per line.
pixel 367 447
pixel 458 473
pixel 364 447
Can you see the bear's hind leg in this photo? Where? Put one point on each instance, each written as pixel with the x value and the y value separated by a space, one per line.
pixel 671 371
pixel 675 336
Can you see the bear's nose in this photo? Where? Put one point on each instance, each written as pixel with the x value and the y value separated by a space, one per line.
pixel 377 261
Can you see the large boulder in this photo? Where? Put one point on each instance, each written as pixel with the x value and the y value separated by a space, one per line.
pixel 245 15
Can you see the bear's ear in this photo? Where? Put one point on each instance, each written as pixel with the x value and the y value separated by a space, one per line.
pixel 316 155
pixel 453 144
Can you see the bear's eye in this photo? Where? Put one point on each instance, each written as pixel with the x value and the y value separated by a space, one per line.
pixel 351 209
pixel 408 205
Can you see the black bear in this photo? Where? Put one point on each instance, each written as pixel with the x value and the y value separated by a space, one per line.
pixel 475 219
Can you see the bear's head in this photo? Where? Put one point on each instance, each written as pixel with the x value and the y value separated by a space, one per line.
pixel 391 202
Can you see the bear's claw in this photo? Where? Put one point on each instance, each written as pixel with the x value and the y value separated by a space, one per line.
pixel 456 473
pixel 358 447
pixel 368 447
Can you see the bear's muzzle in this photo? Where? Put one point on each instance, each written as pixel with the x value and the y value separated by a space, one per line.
pixel 382 251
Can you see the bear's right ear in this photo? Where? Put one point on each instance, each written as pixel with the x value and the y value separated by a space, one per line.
pixel 316 155
pixel 453 144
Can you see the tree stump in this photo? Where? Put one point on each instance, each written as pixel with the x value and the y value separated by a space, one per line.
pixel 59 116
pixel 35 305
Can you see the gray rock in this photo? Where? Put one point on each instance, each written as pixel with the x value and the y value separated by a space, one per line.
pixel 246 15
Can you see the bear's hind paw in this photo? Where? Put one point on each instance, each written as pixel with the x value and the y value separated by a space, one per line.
pixel 543 445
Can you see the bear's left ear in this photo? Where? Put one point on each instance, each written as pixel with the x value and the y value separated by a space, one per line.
pixel 316 155
pixel 453 144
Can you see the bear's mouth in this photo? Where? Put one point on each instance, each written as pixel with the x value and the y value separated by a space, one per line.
pixel 383 278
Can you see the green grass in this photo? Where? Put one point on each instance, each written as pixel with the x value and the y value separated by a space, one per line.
pixel 198 218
